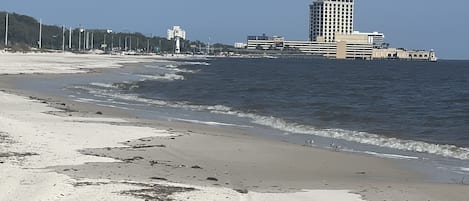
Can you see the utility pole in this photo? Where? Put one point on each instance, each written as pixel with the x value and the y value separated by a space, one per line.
pixel 6 30
pixel 84 39
pixel 125 43
pixel 79 38
pixel 70 39
pixel 105 46
pixel 92 40
pixel 208 46
pixel 148 45
pixel 87 45
pixel 112 42
pixel 161 48
pixel 40 34
pixel 120 49
pixel 63 38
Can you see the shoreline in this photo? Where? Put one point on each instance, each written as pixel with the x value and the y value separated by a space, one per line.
pixel 259 163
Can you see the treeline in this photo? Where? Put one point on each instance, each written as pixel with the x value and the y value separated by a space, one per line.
pixel 23 34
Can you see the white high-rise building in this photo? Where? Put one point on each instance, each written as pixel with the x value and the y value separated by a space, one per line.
pixel 328 17
pixel 177 31
pixel 178 34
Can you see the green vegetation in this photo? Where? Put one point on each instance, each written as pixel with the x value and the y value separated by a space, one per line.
pixel 24 35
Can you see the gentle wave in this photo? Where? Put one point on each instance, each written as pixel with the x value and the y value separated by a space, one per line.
pixel 210 123
pixel 104 85
pixel 392 156
pixel 360 137
pixel 171 67
pixel 167 77
pixel 197 63
pixel 280 124
pixel 464 169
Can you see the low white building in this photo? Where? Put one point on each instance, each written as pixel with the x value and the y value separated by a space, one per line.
pixel 366 46
pixel 240 45
pixel 403 54
pixel 353 48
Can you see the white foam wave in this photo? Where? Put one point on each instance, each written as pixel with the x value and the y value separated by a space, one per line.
pixel 360 137
pixel 210 123
pixel 167 77
pixel 197 63
pixel 392 156
pixel 280 124
pixel 84 100
pixel 465 169
pixel 172 68
pixel 103 85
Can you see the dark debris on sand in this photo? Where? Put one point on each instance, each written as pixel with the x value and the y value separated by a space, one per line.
pixel 212 179
pixel 15 154
pixel 5 139
pixel 150 192
pixel 242 191
pixel 156 192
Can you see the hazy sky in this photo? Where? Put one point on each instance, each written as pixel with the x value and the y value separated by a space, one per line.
pixel 417 24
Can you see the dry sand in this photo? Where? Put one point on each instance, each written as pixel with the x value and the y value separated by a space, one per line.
pixel 46 154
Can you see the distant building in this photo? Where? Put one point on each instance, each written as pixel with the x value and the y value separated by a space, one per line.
pixel 265 42
pixel 332 35
pixel 403 54
pixel 328 17
pixel 240 45
pixel 177 31
pixel 374 38
pixel 178 34
pixel 359 49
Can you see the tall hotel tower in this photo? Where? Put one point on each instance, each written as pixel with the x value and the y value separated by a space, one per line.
pixel 328 17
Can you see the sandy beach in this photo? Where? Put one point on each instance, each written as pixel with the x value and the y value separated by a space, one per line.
pixel 52 148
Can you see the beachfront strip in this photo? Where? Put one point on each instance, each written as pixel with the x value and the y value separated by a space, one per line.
pixel 347 46
pixel 332 35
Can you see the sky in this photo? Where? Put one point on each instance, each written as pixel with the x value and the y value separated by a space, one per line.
pixel 412 24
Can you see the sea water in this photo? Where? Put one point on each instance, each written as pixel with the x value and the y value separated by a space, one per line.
pixel 392 109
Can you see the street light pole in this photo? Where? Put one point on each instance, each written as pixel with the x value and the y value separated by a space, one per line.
pixel 40 34
pixel 112 42
pixel 6 30
pixel 63 38
pixel 120 47
pixel 125 43
pixel 87 46
pixel 79 38
pixel 70 39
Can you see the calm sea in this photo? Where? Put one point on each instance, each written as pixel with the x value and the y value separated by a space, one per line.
pixel 396 109
pixel 408 100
